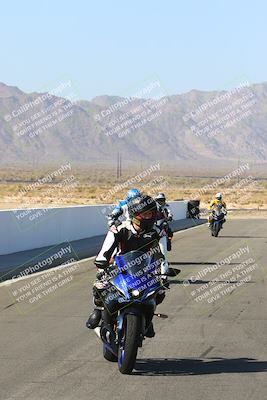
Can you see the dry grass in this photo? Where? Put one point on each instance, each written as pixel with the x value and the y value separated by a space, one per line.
pixel 101 186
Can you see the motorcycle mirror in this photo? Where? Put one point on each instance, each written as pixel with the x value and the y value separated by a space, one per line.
pixel 164 316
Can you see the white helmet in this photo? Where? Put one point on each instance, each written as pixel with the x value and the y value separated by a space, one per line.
pixel 219 196
pixel 160 196
pixel 161 199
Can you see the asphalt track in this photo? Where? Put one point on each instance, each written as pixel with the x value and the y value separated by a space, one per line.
pixel 212 346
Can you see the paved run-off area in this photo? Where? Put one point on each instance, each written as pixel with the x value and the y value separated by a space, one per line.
pixel 212 346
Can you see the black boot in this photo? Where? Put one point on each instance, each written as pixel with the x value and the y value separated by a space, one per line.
pixel 173 272
pixel 94 319
pixel 150 333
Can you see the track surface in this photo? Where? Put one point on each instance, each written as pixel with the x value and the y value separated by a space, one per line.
pixel 202 351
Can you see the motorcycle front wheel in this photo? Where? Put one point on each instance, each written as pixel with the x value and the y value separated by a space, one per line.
pixel 128 350
pixel 216 229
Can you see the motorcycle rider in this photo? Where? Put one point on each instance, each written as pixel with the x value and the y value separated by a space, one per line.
pixel 215 202
pixel 122 208
pixel 136 233
pixel 164 214
pixel 163 218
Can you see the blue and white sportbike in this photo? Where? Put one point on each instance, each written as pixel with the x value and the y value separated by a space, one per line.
pixel 133 288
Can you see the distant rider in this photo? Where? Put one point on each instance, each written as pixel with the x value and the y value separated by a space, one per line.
pixel 215 202
pixel 164 212
pixel 164 217
pixel 121 210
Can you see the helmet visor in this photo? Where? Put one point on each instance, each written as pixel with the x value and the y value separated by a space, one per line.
pixel 161 201
pixel 146 215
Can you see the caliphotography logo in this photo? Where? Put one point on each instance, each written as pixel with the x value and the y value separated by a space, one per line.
pixel 43 277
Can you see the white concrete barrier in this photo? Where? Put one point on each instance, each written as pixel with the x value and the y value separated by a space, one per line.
pixel 179 209
pixel 27 229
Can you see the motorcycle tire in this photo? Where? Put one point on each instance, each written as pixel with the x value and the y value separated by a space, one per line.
pixel 216 230
pixel 127 355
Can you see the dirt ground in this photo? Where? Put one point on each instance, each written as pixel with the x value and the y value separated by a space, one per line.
pixel 23 189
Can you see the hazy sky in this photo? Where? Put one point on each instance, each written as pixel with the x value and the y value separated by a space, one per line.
pixel 105 47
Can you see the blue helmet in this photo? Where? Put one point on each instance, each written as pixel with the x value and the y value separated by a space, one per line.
pixel 133 193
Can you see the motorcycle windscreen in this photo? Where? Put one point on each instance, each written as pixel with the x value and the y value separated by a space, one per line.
pixel 136 272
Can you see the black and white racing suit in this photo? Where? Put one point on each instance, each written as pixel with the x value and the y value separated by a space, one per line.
pixel 125 238
pixel 164 216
